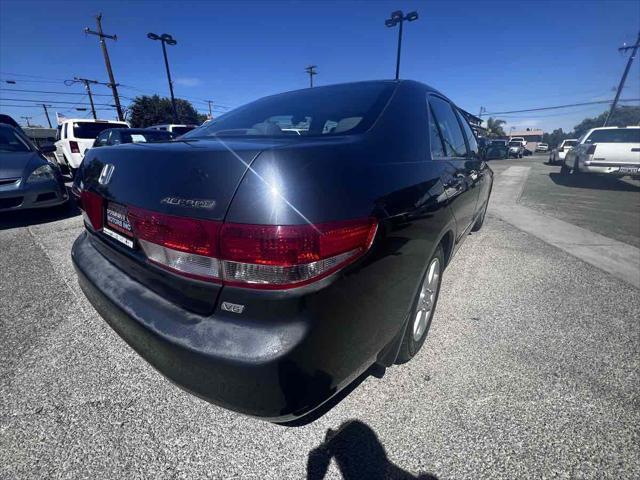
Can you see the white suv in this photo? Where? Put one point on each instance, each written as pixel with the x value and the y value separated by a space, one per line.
pixel 557 154
pixel 75 136
pixel 610 150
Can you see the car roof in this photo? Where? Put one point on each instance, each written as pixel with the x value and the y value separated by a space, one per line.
pixel 91 120
pixel 615 128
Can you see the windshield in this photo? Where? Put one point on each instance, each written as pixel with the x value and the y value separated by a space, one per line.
pixel 11 142
pixel 615 135
pixel 145 136
pixel 93 129
pixel 515 144
pixel 324 111
pixel 570 143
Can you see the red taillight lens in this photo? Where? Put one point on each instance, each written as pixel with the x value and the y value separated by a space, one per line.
pixel 74 147
pixel 189 235
pixel 269 256
pixel 91 204
pixel 591 150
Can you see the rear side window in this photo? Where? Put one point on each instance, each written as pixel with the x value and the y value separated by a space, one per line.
pixel 437 147
pixel 449 127
pixel 617 135
pixel 471 138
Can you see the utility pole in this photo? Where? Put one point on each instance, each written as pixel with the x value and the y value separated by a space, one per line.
pixel 210 102
pixel 46 112
pixel 396 18
pixel 311 70
pixel 27 119
pixel 624 76
pixel 103 44
pixel 165 38
pixel 87 84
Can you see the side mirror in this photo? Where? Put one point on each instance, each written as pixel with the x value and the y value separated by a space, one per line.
pixel 47 148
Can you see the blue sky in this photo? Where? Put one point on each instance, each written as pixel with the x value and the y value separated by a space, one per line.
pixel 497 54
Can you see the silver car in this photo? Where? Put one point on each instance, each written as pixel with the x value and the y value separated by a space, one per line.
pixel 27 178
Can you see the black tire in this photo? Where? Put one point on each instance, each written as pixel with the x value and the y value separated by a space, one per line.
pixel 480 221
pixel 411 346
pixel 564 170
pixel 576 168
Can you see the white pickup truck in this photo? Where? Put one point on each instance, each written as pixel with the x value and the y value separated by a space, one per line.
pixel 610 150
pixel 75 136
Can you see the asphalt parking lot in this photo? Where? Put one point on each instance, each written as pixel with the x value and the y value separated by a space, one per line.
pixel 530 368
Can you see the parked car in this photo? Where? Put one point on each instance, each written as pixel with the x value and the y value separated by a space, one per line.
pixel 27 179
pixel 496 151
pixel 542 147
pixel 610 150
pixel 557 154
pixel 117 136
pixel 523 142
pixel 516 149
pixel 75 136
pixel 177 130
pixel 265 271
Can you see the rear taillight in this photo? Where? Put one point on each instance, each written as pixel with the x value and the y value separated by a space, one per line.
pixel 91 205
pixel 259 256
pixel 74 147
pixel 591 150
pixel 183 245
pixel 267 256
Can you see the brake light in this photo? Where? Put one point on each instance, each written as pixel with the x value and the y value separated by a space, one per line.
pixel 74 147
pixel 91 205
pixel 187 246
pixel 267 256
pixel 591 150
pixel 258 256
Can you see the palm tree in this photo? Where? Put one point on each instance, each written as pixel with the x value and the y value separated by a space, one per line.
pixel 494 127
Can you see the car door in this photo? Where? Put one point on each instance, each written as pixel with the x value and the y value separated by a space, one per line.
pixel 459 177
pixel 480 172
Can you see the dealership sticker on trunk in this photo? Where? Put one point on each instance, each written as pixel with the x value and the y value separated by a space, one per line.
pixel 118 221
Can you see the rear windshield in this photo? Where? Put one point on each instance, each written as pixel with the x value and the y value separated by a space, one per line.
pixel 93 129
pixel 617 135
pixel 323 111
pixel 515 144
pixel 149 136
pixel 570 143
pixel 181 130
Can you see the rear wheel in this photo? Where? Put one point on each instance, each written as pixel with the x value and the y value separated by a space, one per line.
pixel 423 307
pixel 576 167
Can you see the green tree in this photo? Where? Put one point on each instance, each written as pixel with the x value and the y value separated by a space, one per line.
pixel 622 117
pixel 554 138
pixel 494 127
pixel 152 110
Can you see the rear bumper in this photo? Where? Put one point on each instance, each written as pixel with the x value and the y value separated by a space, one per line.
pixel 610 168
pixel 37 195
pixel 276 370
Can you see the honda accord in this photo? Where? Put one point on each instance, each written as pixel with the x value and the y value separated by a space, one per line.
pixel 270 257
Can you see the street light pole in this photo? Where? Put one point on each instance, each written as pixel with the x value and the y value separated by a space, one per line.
pixel 396 18
pixel 46 112
pixel 165 38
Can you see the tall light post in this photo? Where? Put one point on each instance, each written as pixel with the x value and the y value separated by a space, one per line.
pixel 165 38
pixel 398 17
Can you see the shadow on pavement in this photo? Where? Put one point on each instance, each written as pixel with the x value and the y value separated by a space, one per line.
pixel 25 218
pixel 594 181
pixel 359 455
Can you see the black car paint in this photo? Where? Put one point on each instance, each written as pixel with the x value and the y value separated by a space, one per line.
pixel 289 351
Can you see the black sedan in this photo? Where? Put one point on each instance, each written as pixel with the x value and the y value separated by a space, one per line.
pixel 268 258
pixel 27 179
pixel 118 136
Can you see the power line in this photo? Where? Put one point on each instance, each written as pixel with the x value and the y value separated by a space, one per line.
pixel 29 76
pixel 56 93
pixel 601 102
pixel 51 101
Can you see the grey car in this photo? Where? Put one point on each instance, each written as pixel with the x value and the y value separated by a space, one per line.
pixel 27 179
